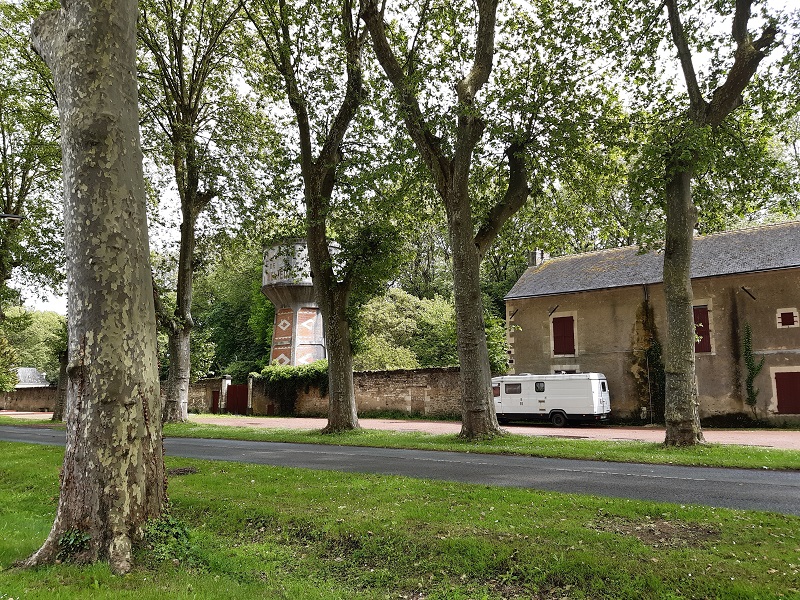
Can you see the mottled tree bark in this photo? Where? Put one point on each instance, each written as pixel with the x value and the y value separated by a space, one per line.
pixel 477 419
pixel 332 295
pixel 112 481
pixel 179 325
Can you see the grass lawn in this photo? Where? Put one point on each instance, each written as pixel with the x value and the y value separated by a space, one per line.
pixel 248 531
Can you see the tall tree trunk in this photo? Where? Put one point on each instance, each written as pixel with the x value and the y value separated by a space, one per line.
pixel 681 410
pixel 451 174
pixel 342 413
pixel 681 403
pixel 176 403
pixel 176 407
pixel 478 418
pixel 112 480
pixel 61 397
pixel 333 298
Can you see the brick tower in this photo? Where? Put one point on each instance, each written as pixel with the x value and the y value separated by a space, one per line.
pixel 297 337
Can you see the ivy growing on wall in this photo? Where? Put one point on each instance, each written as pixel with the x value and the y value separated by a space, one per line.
pixel 648 363
pixel 753 369
pixel 284 383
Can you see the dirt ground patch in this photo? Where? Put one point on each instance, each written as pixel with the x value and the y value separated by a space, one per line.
pixel 660 533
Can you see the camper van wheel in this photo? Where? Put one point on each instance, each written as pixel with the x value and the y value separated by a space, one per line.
pixel 558 419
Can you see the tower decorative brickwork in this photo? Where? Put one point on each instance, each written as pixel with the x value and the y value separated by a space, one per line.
pixel 297 337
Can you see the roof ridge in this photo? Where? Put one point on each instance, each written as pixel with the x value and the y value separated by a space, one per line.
pixel 694 237
pixel 746 229
pixel 747 250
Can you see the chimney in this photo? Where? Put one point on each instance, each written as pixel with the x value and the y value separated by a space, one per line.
pixel 537 257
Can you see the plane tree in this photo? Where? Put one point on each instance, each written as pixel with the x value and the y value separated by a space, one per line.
pixel 202 128
pixel 347 193
pixel 112 480
pixel 473 86
pixel 698 135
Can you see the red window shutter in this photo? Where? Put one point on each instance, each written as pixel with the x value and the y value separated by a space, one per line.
pixel 563 335
pixel 787 319
pixel 702 329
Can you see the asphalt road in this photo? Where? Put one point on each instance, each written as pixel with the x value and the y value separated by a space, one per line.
pixel 776 491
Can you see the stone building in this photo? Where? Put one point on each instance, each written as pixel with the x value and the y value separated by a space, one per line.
pixel 604 312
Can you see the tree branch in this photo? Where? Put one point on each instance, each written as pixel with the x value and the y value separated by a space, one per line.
pixel 517 193
pixel 427 144
pixel 696 100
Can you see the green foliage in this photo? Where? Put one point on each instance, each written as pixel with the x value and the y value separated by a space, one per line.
pixel 38 337
pixel 400 331
pixel 753 368
pixel 167 538
pixel 72 542
pixel 232 314
pixel 657 379
pixel 285 382
pixel 497 343
pixel 8 363
pixel 378 353
pixel 30 156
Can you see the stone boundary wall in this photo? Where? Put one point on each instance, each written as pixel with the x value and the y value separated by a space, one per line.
pixel 433 392
pixel 201 394
pixel 33 399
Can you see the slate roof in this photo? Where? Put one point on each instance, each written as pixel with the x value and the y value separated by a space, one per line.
pixel 751 250
pixel 31 377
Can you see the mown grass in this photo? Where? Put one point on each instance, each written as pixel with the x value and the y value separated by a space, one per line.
pixel 267 532
pixel 710 455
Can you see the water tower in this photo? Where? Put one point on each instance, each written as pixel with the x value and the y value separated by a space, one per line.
pixel 297 337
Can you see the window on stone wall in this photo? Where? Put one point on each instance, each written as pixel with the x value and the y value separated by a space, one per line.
pixel 702 330
pixel 787 317
pixel 564 335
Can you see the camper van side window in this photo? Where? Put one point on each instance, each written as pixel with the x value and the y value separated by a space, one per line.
pixel 539 386
pixel 513 388
pixel 496 391
pixel 603 386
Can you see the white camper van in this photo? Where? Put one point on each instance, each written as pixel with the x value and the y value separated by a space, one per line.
pixel 577 397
